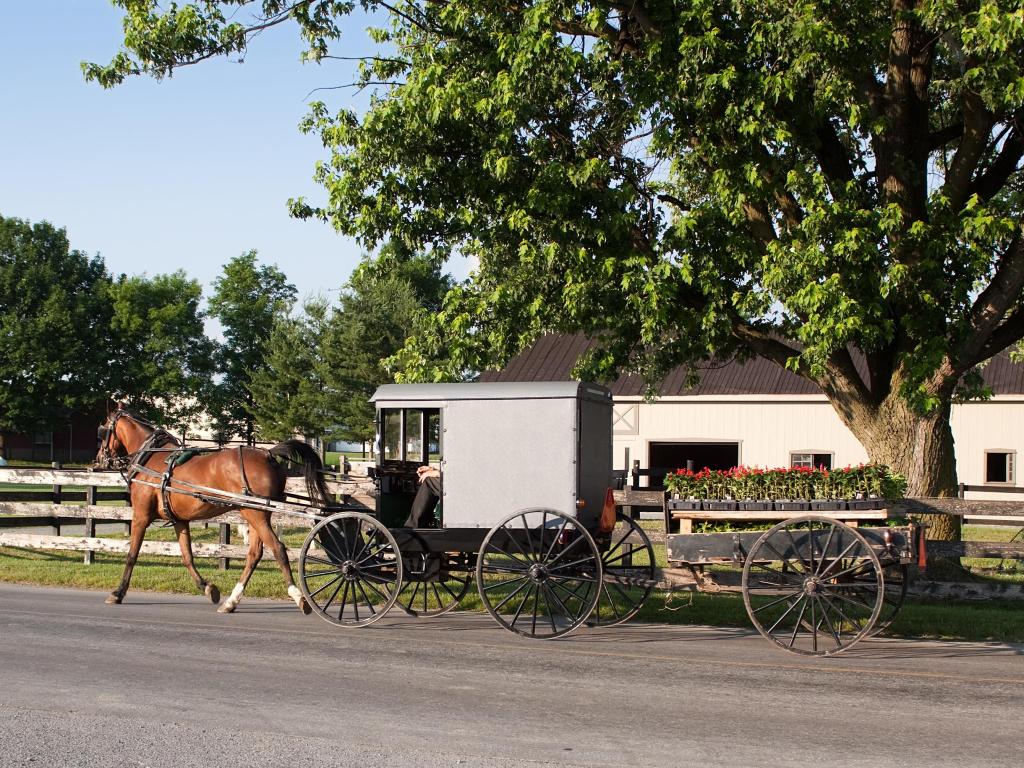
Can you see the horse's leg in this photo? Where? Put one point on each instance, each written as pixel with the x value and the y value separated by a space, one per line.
pixel 141 518
pixel 252 558
pixel 185 542
pixel 260 522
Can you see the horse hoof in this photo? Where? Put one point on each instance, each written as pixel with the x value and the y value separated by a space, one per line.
pixel 304 607
pixel 226 608
pixel 213 593
pixel 113 600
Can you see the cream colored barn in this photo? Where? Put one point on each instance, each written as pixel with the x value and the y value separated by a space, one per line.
pixel 758 414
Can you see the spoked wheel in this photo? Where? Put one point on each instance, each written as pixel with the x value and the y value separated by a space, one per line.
pixel 894 592
pixel 438 586
pixel 627 564
pixel 349 569
pixel 813 586
pixel 538 573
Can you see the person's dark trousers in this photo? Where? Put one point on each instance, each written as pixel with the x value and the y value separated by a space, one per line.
pixel 426 499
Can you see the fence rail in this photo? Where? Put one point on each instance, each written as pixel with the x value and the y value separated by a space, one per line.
pixel 23 508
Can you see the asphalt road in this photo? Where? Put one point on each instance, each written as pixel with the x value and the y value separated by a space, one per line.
pixel 163 680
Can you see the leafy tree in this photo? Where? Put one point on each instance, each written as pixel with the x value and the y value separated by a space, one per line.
pixel 247 299
pixel 288 392
pixel 164 360
pixel 54 327
pixel 833 185
pixel 387 299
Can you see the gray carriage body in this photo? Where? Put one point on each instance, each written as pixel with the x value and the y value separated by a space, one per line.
pixel 511 446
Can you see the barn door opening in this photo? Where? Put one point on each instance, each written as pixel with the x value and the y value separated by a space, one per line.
pixel 668 457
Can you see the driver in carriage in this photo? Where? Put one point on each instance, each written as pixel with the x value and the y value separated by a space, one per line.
pixel 427 494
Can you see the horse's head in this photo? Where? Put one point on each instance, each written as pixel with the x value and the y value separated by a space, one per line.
pixel 112 452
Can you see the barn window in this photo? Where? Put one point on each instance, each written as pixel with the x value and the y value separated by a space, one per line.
pixel 810 459
pixel 999 467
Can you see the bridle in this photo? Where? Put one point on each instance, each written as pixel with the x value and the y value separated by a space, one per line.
pixel 109 458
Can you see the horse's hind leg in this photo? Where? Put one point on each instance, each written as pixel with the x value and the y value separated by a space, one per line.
pixel 185 542
pixel 252 558
pixel 260 522
pixel 141 518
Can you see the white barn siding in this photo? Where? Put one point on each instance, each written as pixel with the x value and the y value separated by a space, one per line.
pixel 769 428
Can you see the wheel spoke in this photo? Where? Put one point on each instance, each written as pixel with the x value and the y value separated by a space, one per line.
pixel 784 615
pixel 824 551
pixel 796 551
pixel 785 598
pixel 796 624
pixel 317 591
pixel 512 594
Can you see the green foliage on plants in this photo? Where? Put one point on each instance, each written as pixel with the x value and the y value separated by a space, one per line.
pixel 797 483
pixel 834 186
pixel 247 300
pixel 56 350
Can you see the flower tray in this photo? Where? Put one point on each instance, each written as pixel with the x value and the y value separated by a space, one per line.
pixel 718 505
pixel 685 504
pixel 868 503
pixel 789 505
pixel 755 506
pixel 828 505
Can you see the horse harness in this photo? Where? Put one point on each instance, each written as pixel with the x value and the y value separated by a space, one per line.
pixel 176 456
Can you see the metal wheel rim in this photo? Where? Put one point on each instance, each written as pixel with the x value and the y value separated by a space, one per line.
pixel 619 601
pixel 819 580
pixel 415 596
pixel 361 592
pixel 561 567
pixel 894 592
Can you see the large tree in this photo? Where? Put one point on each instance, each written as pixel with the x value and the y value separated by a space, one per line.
pixel 164 361
pixel 833 185
pixel 247 299
pixel 288 391
pixel 388 299
pixel 54 328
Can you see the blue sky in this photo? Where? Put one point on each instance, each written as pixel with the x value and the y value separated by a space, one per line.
pixel 156 176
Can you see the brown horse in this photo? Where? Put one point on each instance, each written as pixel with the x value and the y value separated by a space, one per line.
pixel 142 452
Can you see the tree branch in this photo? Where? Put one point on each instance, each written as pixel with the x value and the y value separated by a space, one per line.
pixel 991 305
pixel 992 180
pixel 977 126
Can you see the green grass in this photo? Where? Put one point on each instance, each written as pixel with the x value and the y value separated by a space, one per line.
pixel 940 619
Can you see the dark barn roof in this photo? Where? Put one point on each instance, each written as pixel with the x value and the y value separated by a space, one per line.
pixel 552 357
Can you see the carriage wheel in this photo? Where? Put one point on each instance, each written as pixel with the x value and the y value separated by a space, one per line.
pixel 896 576
pixel 813 586
pixel 628 568
pixel 538 573
pixel 436 596
pixel 349 569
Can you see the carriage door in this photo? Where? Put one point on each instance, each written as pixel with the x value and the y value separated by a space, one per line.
pixel 410 438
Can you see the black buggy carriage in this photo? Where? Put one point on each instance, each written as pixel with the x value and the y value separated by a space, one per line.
pixel 526 513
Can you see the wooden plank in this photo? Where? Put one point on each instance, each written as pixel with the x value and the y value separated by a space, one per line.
pixel 770 514
pixel 975 549
pixel 120 546
pixel 989 508
pixel 639 498
pixel 103 513
pixel 352 484
pixel 956 590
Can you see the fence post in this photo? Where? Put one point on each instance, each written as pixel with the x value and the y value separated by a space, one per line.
pixel 636 473
pixel 90 522
pixel 225 538
pixel 56 500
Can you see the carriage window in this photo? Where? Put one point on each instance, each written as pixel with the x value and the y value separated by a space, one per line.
pixel 434 435
pixel 414 435
pixel 392 435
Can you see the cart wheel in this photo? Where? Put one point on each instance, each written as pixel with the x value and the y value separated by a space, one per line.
pixel 813 586
pixel 628 567
pixel 538 573
pixel 349 569
pixel 440 593
pixel 895 576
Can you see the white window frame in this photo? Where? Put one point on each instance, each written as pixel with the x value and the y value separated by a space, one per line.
pixel 1011 466
pixel 812 454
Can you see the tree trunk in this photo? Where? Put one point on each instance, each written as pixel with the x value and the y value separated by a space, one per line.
pixel 919 447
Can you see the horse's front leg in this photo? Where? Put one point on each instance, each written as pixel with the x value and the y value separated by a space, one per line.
pixel 185 543
pixel 141 518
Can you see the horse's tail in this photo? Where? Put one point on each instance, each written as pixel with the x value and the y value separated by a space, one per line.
pixel 302 453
